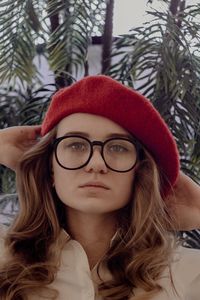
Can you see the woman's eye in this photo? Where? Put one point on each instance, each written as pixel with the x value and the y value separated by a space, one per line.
pixel 117 148
pixel 77 146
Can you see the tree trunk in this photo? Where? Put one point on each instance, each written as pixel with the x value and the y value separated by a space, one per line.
pixel 61 80
pixel 182 7
pixel 107 37
pixel 176 7
pixel 173 7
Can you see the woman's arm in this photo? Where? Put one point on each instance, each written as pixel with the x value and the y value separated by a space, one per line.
pixel 14 141
pixel 184 204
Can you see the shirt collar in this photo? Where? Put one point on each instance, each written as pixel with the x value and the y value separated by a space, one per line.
pixel 65 237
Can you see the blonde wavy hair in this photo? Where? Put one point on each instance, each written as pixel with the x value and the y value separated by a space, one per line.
pixel 137 257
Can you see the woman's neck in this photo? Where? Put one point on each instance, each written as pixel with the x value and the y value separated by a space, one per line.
pixel 93 232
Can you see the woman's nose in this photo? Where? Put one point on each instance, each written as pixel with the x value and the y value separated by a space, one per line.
pixel 96 163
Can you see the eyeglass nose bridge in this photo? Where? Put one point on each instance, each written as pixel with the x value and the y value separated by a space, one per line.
pixel 96 143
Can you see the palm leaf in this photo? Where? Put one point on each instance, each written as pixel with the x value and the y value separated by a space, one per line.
pixel 68 43
pixel 16 42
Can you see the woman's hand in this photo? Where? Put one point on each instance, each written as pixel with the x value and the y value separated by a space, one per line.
pixel 184 203
pixel 14 141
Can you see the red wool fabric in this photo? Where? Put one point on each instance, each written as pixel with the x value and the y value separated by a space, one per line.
pixel 104 96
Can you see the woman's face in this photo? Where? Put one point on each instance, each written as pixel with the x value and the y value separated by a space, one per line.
pixel 76 188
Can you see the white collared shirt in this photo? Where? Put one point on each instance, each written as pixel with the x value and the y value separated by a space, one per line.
pixel 75 280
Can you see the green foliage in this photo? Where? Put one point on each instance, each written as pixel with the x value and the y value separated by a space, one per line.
pixel 17 48
pixel 68 43
pixel 19 107
pixel 64 28
pixel 35 104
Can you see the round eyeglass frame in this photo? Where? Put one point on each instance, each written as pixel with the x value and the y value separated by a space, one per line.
pixel 96 143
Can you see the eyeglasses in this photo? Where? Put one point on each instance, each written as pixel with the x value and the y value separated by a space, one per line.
pixel 74 152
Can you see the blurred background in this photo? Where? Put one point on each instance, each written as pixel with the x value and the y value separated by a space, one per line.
pixel 150 45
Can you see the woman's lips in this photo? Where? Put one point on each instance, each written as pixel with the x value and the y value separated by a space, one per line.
pixel 95 185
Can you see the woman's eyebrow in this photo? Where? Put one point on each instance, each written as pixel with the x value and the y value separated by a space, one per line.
pixel 119 135
pixel 84 134
pixel 87 135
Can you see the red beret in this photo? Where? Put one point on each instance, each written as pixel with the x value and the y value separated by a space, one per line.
pixel 104 96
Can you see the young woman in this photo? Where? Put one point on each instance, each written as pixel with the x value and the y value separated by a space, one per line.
pixel 94 192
